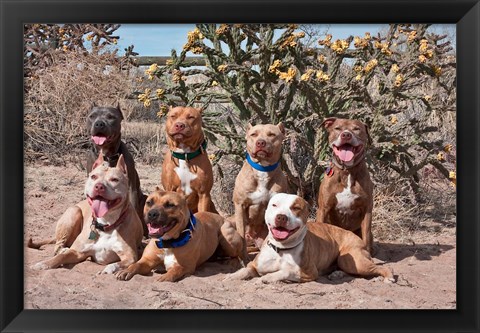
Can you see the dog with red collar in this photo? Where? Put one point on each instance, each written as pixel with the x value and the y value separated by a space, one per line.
pixel 104 227
pixel 345 197
pixel 297 250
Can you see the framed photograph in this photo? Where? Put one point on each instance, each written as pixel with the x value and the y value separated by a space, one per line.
pixel 426 54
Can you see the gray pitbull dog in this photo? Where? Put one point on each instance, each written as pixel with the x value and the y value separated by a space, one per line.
pixel 104 127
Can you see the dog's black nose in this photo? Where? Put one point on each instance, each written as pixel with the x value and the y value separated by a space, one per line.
pixel 99 124
pixel 153 214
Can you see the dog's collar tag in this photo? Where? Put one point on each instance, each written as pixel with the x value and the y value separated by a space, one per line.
pixel 185 236
pixel 329 170
pixel 93 233
pixel 259 167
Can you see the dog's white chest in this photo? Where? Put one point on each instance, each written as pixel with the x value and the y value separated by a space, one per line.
pixel 269 261
pixel 261 193
pixel 105 247
pixel 346 198
pixel 168 258
pixel 185 176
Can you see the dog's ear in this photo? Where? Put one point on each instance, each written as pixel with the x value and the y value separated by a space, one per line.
pixel 328 122
pixel 99 161
pixel 119 110
pixel 121 164
pixel 370 141
pixel 281 127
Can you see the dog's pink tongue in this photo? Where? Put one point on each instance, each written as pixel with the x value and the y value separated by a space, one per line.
pixel 154 231
pixel 100 207
pixel 345 153
pixel 99 140
pixel 280 233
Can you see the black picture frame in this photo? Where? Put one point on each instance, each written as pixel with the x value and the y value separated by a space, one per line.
pixel 464 13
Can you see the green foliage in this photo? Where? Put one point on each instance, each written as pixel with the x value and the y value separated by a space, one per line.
pixel 401 83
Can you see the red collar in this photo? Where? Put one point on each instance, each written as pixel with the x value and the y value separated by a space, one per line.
pixel 109 227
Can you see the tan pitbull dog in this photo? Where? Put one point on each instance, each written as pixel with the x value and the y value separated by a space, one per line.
pixel 104 227
pixel 186 167
pixel 345 196
pixel 297 251
pixel 181 241
pixel 260 177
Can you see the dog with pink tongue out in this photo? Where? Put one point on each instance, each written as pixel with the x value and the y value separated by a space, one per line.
pixel 104 226
pixel 345 197
pixel 297 250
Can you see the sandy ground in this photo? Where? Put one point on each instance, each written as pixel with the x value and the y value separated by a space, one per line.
pixel 425 268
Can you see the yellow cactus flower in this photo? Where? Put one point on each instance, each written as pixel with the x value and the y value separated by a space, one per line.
pixel 89 37
pixel 398 80
pixel 370 66
pixel 326 41
pixel 222 29
pixel 357 68
pixel 448 148
pixel 441 156
pixel 422 58
pixel 339 46
pixel 360 43
pixel 358 77
pixel 300 34
pixel 453 177
pixel 160 93
pixel 423 46
pixel 306 76
pixel 147 102
pixel 197 50
pixel 429 54
pixel 289 76
pixel 222 68
pixel 427 98
pixel 322 59
pixel 214 83
pixel 394 119
pixel 65 48
pixel 437 70
pixel 322 77
pixel 211 157
pixel 115 41
pixel 293 26
pixel 275 66
pixel 169 62
pixel 412 35
pixel 146 95
pixel 395 68
pixel 163 111
pixel 367 36
pixel 177 75
pixel 289 41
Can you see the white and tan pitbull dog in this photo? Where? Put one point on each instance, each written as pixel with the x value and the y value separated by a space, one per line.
pixel 180 240
pixel 345 197
pixel 297 251
pixel 104 227
pixel 260 177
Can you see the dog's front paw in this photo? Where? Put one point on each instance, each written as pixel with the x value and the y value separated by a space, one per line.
pixel 110 269
pixel 269 279
pixel 241 274
pixel 39 266
pixel 125 275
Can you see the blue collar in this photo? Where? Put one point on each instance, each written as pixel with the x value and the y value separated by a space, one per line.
pixel 259 167
pixel 185 236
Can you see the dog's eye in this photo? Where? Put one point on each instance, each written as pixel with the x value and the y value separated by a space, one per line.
pixel 254 135
pixel 190 117
pixel 271 135
pixel 168 204
pixel 110 117
pixel 337 128
pixel 114 180
pixel 356 129
pixel 149 203
pixel 93 177
pixel 173 116
pixel 296 208
pixel 274 205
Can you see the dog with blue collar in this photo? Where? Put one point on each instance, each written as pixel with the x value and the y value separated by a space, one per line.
pixel 259 179
pixel 180 240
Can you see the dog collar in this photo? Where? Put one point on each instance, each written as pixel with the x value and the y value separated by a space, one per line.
pixel 259 167
pixel 185 236
pixel 189 156
pixel 105 228
pixel 278 249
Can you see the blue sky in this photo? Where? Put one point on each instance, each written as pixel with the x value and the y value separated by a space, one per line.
pixel 160 39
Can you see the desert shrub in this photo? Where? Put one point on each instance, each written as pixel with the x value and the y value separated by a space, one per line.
pixel 67 68
pixel 401 83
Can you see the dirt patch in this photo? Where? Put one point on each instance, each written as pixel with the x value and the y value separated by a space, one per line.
pixel 425 267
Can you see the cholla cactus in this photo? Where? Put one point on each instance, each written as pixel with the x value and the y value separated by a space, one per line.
pixel 268 75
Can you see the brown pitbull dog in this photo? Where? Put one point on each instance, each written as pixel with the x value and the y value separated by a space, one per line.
pixel 260 177
pixel 186 167
pixel 345 196
pixel 104 227
pixel 297 251
pixel 181 241
pixel 104 127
